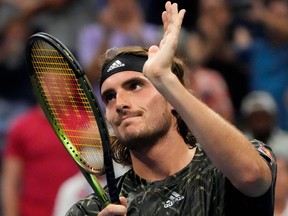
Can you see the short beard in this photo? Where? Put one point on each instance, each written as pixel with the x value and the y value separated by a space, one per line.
pixel 145 140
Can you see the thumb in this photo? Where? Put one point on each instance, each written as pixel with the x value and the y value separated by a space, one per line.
pixel 123 201
pixel 152 50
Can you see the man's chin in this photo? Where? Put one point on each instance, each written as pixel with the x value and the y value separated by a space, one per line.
pixel 128 131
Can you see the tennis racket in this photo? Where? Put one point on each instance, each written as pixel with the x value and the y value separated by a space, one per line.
pixel 67 99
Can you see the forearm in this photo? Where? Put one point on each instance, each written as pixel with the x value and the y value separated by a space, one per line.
pixel 10 203
pixel 226 146
pixel 10 187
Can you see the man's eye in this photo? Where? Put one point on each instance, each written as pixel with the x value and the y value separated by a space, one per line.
pixel 109 97
pixel 135 85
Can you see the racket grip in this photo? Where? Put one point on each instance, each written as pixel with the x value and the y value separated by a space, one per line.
pixel 115 200
pixel 112 186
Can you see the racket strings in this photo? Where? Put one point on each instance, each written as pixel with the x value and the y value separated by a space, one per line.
pixel 68 103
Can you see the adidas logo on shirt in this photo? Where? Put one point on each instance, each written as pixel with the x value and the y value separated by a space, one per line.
pixel 175 197
pixel 116 64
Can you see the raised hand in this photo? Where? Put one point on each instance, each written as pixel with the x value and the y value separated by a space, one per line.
pixel 160 57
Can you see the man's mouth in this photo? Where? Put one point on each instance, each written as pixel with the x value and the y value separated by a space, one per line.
pixel 125 117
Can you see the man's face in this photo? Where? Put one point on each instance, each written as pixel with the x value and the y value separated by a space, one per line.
pixel 137 112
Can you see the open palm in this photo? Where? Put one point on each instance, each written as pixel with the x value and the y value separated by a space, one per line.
pixel 160 57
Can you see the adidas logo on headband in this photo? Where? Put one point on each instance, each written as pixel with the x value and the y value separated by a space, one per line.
pixel 116 64
pixel 124 62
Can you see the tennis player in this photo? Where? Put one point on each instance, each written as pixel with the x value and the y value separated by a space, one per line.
pixel 185 159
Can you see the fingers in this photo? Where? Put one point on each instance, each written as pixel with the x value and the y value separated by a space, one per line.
pixel 113 209
pixel 171 18
pixel 164 20
pixel 160 57
pixel 166 16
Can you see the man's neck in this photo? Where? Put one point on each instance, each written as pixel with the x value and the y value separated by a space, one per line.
pixel 165 158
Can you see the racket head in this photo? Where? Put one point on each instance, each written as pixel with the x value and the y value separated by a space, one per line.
pixel 67 99
pixel 68 102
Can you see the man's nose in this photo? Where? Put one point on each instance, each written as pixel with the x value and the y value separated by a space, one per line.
pixel 122 102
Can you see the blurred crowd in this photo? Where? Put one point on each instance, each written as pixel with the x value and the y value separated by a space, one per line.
pixel 236 55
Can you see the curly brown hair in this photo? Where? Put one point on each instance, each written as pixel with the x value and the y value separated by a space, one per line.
pixel 120 152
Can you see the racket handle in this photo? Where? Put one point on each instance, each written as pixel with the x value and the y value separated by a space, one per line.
pixel 113 190
pixel 115 200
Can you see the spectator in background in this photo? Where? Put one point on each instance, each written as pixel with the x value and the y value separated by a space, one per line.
pixel 210 87
pixel 120 23
pixel 260 119
pixel 16 94
pixel 35 164
pixel 15 83
pixel 70 191
pixel 76 188
pixel 18 20
pixel 209 45
pixel 60 18
pixel 266 54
